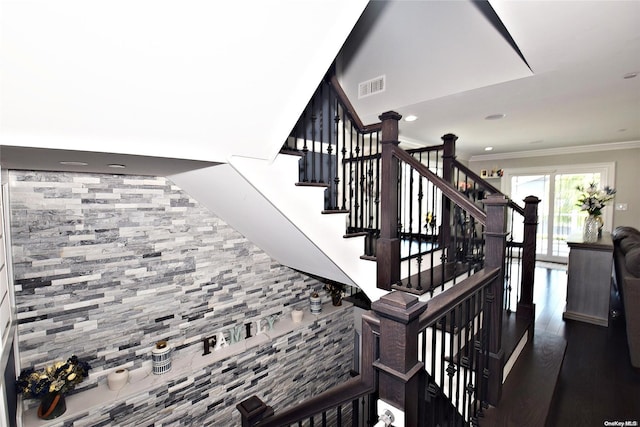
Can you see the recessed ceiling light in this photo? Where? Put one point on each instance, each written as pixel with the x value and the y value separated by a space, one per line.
pixel 116 166
pixel 537 141
pixel 411 118
pixel 73 163
pixel 495 116
pixel 488 148
pixel 630 75
pixel 622 130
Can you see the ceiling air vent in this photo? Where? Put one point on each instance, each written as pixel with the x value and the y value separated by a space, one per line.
pixel 371 87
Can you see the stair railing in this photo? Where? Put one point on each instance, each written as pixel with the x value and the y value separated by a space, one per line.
pixel 340 405
pixel 341 154
pixel 432 360
pixel 521 241
pixel 409 188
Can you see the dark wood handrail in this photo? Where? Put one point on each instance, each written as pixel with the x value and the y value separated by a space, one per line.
pixel 486 186
pixel 343 394
pixel 447 189
pixel 426 149
pixel 348 107
pixel 442 303
pixel 339 395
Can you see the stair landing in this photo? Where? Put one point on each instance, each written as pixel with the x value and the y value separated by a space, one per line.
pixel 528 392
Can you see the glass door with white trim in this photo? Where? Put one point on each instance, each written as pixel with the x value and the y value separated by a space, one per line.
pixel 559 216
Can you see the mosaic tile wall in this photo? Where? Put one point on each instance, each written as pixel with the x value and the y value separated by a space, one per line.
pixel 106 265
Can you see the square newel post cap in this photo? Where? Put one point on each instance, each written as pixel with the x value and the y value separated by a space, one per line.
pixel 399 306
pixel 531 199
pixel 252 410
pixel 390 115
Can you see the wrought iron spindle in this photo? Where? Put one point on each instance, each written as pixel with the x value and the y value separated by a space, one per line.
pixel 305 148
pixel 377 199
pixel 361 181
pixel 464 361
pixel 313 140
pixel 352 211
pixel 344 163
pixel 420 232
pixel 451 368
pixel 321 177
pixel 459 345
pixel 336 179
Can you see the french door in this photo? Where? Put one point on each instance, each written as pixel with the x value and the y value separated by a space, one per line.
pixel 558 214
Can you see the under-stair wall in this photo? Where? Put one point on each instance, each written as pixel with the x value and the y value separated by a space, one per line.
pixel 291 228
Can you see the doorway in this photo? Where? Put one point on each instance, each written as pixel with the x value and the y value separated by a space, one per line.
pixel 559 216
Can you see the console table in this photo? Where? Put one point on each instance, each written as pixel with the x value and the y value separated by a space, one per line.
pixel 589 280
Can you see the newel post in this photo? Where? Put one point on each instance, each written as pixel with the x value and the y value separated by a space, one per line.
pixel 388 244
pixel 448 156
pixel 526 308
pixel 495 249
pixel 400 375
pixel 253 410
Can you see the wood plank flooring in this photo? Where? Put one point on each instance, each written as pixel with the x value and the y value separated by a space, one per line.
pixel 597 383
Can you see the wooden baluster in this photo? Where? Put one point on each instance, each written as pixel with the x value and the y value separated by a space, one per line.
pixel 448 157
pixel 495 238
pixel 388 244
pixel 253 410
pixel 526 308
pixel 400 375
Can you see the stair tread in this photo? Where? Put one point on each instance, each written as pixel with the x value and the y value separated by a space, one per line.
pixel 335 211
pixel 311 184
pixel 513 329
pixel 528 392
pixel 292 152
pixel 423 278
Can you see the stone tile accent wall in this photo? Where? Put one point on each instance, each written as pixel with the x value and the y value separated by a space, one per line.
pixel 106 265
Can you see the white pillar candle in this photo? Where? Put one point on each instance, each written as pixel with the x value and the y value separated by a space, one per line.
pixel 297 315
pixel 117 379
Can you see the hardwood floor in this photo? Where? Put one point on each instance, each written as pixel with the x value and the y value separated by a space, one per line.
pixel 597 382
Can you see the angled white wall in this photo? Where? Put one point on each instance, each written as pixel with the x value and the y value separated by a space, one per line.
pixel 290 225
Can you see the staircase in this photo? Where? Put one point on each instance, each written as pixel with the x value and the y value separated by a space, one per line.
pixel 344 203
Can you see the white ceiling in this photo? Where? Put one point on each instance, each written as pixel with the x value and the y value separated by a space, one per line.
pixel 198 79
pixel 204 80
pixel 445 63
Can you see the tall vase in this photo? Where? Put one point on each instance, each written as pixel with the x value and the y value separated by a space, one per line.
pixel 591 228
pixel 52 406
pixel 316 303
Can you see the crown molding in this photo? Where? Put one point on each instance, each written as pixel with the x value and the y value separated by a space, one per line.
pixel 558 151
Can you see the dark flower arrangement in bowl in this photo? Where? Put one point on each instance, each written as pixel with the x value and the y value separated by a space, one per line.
pixel 51 383
pixel 336 290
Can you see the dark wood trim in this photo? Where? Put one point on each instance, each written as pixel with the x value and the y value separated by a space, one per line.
pixel 311 184
pixel 351 112
pixel 526 308
pixel 495 250
pixel 442 303
pixel 343 394
pixel 448 156
pixel 426 149
pixel 388 242
pixel 401 376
